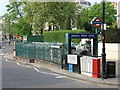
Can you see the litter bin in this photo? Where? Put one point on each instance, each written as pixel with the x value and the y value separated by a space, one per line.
pixel 32 60
pixel 111 69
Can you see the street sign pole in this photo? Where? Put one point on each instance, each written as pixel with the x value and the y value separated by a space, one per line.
pixel 96 30
pixel 104 70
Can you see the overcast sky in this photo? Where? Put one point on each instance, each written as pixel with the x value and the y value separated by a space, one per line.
pixel 3 3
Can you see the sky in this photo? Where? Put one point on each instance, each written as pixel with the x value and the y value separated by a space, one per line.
pixel 3 3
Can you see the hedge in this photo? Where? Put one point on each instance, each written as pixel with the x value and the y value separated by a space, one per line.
pixel 112 36
pixel 59 36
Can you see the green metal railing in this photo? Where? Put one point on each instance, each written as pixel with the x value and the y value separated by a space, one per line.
pixel 41 50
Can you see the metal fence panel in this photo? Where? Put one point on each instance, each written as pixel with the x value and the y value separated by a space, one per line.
pixel 41 50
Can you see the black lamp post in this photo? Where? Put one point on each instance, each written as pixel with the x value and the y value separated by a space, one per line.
pixel 104 69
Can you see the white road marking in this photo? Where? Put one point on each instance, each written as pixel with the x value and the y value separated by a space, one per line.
pixel 40 71
pixel 6 59
pixel 36 69
pixel 58 76
pixel 23 65
pixel 54 74
pixel 18 63
pixel 9 61
pixel 3 47
pixel 5 55
pixel 61 77
pixel 2 54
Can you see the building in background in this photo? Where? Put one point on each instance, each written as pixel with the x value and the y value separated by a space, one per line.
pixel 114 4
pixel 84 3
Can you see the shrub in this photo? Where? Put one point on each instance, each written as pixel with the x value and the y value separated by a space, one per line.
pixel 59 36
pixel 112 36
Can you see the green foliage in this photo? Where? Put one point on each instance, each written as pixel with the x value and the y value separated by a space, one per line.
pixel 112 36
pixel 59 36
pixel 21 28
pixel 110 12
pixel 96 11
pixel 13 16
pixel 83 17
pixel 36 15
pixel 14 11
pixel 58 14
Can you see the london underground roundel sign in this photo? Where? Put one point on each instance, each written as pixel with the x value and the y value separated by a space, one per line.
pixel 97 22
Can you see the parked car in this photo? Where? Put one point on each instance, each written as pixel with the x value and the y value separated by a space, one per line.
pixel 17 40
pixel 17 36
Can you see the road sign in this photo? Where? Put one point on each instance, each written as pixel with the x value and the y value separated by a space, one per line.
pixel 104 27
pixel 83 35
pixel 97 22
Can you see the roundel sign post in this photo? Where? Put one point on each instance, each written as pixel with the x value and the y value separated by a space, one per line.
pixel 97 22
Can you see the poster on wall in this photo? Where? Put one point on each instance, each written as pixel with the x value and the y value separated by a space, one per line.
pixel 72 59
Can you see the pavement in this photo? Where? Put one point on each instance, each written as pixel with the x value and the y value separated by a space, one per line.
pixel 57 69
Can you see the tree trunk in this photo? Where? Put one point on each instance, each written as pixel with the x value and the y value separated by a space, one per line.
pixel 49 29
pixel 68 24
pixel 41 32
pixel 78 22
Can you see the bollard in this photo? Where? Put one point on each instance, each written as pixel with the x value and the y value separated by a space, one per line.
pixel 14 50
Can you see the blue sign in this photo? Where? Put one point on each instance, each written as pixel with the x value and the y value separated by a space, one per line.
pixel 82 35
pixel 97 22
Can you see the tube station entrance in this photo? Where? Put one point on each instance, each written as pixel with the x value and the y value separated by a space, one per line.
pixel 91 43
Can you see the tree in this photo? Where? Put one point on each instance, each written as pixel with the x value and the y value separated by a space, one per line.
pixel 36 15
pixel 110 12
pixel 83 17
pixel 21 28
pixel 58 14
pixel 87 14
pixel 14 13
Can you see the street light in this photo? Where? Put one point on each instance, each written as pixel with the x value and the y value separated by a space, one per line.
pixel 104 69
